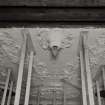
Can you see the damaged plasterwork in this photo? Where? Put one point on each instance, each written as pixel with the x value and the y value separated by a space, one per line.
pixel 56 63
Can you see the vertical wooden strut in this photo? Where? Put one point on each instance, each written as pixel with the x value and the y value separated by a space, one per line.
pixel 20 74
pixel 10 93
pixel 29 78
pixel 88 72
pixel 6 88
pixel 38 101
pixel 103 75
pixel 98 93
pixel 29 52
pixel 83 80
pixel 54 97
pixel 64 96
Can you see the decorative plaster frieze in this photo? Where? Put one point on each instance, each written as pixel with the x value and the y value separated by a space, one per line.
pixel 97 53
pixel 10 46
pixel 41 68
pixel 101 40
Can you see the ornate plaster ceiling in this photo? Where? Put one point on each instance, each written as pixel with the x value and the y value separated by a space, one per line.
pixel 49 73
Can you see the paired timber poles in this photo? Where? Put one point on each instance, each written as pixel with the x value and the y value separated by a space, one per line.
pixel 87 86
pixel 27 48
pixel 6 88
pixel 98 90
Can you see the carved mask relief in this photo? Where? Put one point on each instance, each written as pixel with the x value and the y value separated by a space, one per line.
pixel 54 41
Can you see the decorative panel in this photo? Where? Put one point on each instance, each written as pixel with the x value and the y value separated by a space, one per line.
pixel 53 73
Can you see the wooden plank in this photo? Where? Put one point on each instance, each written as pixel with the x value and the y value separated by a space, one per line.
pixel 54 97
pixel 20 74
pixel 88 72
pixel 6 88
pixel 29 79
pixel 32 14
pixel 103 75
pixel 10 93
pixel 38 101
pixel 64 96
pixel 83 78
pixel 98 93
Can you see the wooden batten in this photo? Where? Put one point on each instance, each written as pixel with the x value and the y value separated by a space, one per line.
pixel 54 97
pixel 98 93
pixel 20 74
pixel 38 99
pixel 103 76
pixel 6 87
pixel 88 71
pixel 10 93
pixel 29 78
pixel 83 79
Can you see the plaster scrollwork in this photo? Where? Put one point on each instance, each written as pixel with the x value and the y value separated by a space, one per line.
pixel 9 53
pixel 72 72
pixel 43 38
pixel 67 41
pixel 3 74
pixel 72 67
pixel 101 40
pixel 9 46
pixel 97 54
pixel 97 51
pixel 42 69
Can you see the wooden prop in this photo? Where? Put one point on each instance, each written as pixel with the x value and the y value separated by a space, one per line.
pixel 6 88
pixel 29 79
pixel 98 93
pixel 103 75
pixel 64 97
pixel 83 79
pixel 20 74
pixel 88 72
pixel 54 97
pixel 38 101
pixel 10 93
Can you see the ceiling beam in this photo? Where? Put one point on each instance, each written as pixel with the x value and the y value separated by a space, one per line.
pixel 53 3
pixel 32 14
